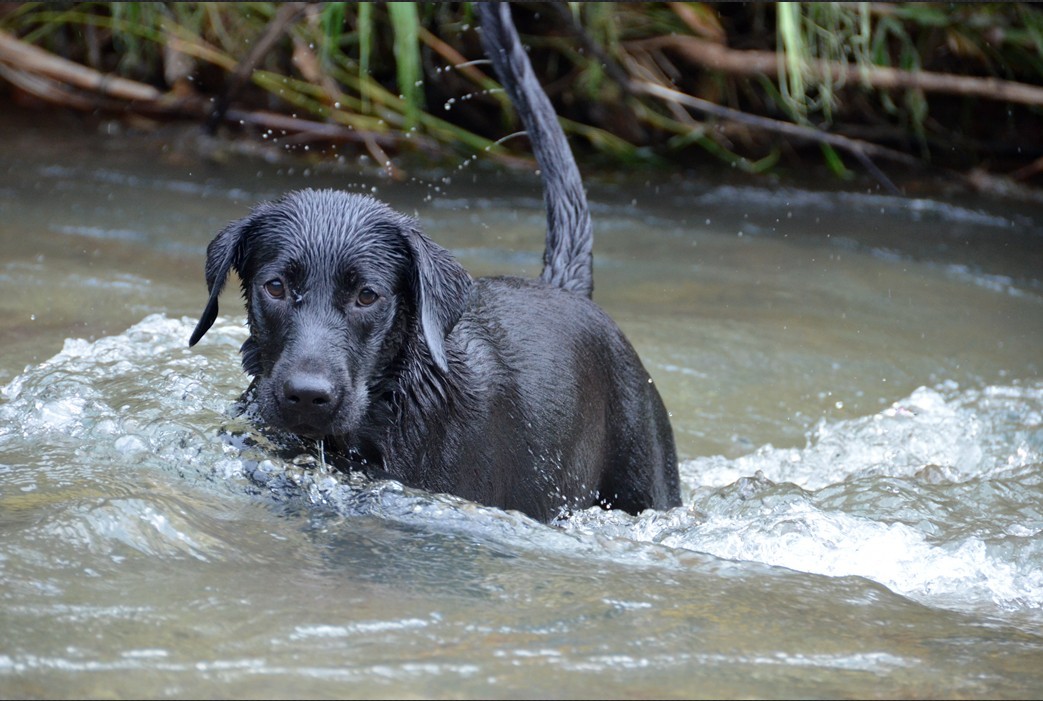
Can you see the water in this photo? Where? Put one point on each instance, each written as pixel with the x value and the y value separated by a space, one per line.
pixel 855 386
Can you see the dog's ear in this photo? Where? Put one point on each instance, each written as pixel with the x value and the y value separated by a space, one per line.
pixel 441 287
pixel 222 255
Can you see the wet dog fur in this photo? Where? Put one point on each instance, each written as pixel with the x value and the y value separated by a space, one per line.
pixel 515 393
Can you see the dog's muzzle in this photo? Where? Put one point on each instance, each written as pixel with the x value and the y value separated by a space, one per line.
pixel 308 403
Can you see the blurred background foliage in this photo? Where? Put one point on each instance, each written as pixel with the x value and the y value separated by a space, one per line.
pixel 756 85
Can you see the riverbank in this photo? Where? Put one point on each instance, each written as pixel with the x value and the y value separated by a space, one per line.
pixel 878 90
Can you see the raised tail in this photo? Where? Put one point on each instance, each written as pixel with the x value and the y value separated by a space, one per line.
pixel 567 260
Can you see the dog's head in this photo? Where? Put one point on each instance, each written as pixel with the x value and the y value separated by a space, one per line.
pixel 340 291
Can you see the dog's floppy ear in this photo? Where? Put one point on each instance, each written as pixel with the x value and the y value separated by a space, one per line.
pixel 223 254
pixel 441 287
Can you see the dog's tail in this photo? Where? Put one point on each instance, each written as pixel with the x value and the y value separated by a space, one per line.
pixel 567 260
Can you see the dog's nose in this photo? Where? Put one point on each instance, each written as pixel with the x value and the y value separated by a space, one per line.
pixel 309 394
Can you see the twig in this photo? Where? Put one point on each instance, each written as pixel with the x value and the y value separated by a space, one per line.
pixel 47 89
pixel 32 59
pixel 722 58
pixel 598 54
pixel 860 149
pixel 317 130
pixel 128 98
pixel 1026 172
pixel 455 59
pixel 284 17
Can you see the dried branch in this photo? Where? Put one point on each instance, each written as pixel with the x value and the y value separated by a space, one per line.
pixel 32 59
pixel 727 60
pixel 775 125
pixel 862 150
pixel 60 81
pixel 287 13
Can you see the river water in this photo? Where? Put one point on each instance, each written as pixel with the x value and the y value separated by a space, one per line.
pixel 855 385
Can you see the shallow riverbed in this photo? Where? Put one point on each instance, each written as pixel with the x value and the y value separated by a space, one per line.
pixel 855 385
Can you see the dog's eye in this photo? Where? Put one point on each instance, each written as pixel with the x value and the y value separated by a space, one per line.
pixel 366 297
pixel 275 289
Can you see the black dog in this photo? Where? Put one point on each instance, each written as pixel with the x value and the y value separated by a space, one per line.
pixel 520 394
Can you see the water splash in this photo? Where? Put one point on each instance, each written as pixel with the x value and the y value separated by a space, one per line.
pixel 936 497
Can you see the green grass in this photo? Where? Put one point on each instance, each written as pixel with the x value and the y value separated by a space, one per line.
pixel 367 61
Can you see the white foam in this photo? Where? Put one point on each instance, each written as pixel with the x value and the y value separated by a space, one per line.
pixel 802 537
pixel 936 497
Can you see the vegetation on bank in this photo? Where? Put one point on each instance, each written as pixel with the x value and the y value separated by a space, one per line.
pixel 869 85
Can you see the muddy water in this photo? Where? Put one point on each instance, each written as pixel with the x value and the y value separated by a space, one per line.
pixel 855 385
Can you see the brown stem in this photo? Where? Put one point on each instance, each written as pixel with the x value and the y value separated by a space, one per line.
pixel 727 60
pixel 32 59
pixel 283 18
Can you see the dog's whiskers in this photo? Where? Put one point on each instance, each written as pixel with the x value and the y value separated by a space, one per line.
pixel 322 453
